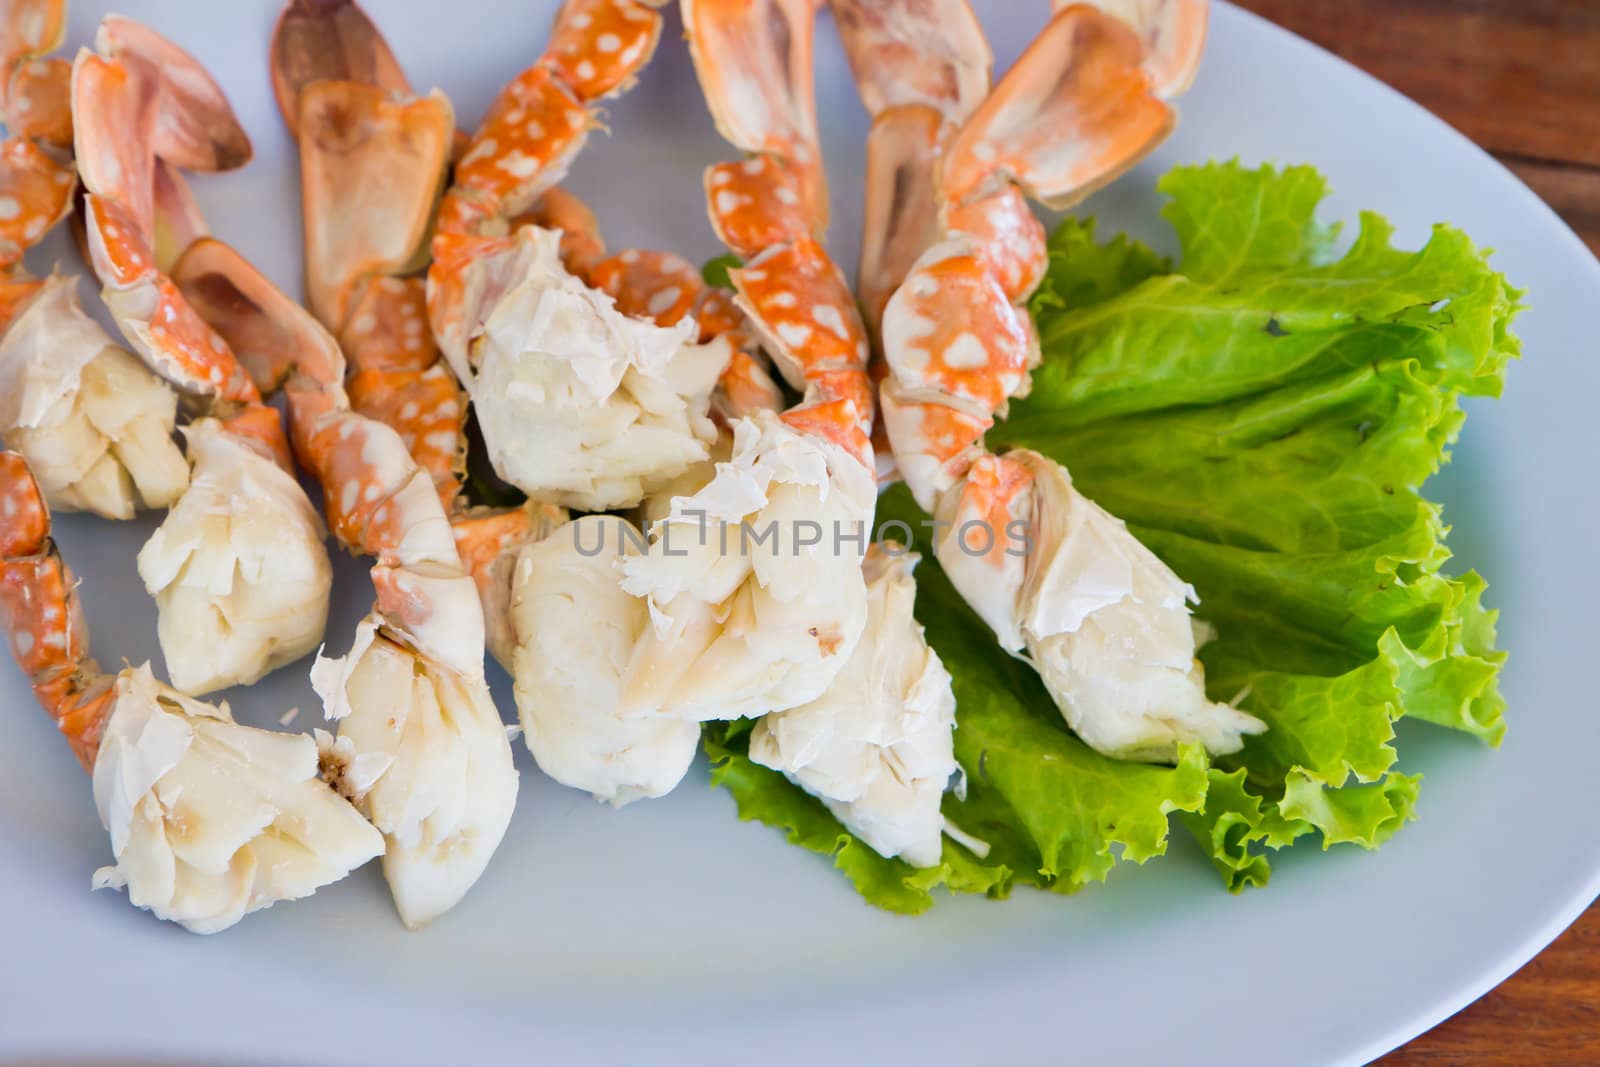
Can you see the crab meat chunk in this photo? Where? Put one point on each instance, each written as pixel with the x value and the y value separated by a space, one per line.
pixel 94 424
pixel 210 820
pixel 576 630
pixel 422 752
pixel 238 569
pixel 579 404
pixel 877 748
pixel 754 582
pixel 1104 621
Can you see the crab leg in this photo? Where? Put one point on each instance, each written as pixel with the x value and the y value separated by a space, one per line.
pixel 1102 619
pixel 735 631
pixel 421 749
pixel 209 820
pixel 373 158
pixel 580 403
pixel 239 569
pixel 533 131
pixel 920 71
pixel 95 425
pixel 36 173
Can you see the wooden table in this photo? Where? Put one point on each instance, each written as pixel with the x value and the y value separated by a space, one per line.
pixel 1522 78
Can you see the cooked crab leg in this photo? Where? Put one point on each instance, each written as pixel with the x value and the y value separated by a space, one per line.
pixel 711 626
pixel 372 161
pixel 36 178
pixel 209 820
pixel 920 70
pixel 421 748
pixel 94 424
pixel 239 569
pixel 1105 622
pixel 373 157
pixel 726 615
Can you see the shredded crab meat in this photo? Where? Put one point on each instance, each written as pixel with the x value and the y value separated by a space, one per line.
pixel 877 747
pixel 579 404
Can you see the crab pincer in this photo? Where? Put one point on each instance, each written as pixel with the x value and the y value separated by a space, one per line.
pixel 1102 619
pixel 238 568
pixel 373 158
pixel 209 820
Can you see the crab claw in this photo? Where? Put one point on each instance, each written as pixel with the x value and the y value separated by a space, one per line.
pixel 422 752
pixel 1074 113
pixel 328 40
pixel 900 217
pixel 197 128
pixel 1106 623
pixel 1173 33
pixel 371 165
pixel 753 58
pixel 915 52
pixel 210 820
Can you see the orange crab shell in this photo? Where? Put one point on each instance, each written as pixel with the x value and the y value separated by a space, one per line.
pixel 598 47
pixel 660 286
pixel 534 128
pixel 1009 237
pixel 755 204
pixel 582 245
pixel 798 299
pixel 426 409
pixel 39 101
pixel 37 188
pixel 1073 113
pixel 952 327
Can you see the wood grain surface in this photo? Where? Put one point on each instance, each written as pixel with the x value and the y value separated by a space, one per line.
pixel 1522 78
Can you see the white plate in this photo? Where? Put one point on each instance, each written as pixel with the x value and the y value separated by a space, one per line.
pixel 673 932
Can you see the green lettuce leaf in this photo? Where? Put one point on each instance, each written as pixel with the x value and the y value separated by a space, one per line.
pixel 1264 416
pixel 1265 419
pixel 715 270
pixel 766 796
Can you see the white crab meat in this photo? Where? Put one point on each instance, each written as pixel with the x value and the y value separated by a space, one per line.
pixel 95 425
pixel 1104 621
pixel 238 569
pixel 423 753
pixel 576 630
pixel 579 404
pixel 753 583
pixel 877 748
pixel 210 820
